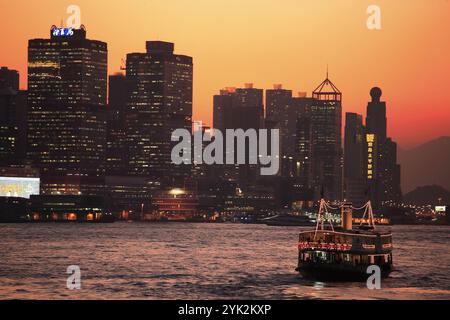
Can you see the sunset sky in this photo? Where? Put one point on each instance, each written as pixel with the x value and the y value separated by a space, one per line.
pixel 277 41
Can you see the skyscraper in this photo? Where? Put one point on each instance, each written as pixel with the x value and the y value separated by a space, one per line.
pixel 355 159
pixel 12 118
pixel 376 121
pixel 160 101
pixel 9 78
pixel 116 149
pixel 239 108
pixel 326 117
pixel 67 77
pixel 279 109
pixel 301 137
pixel 383 172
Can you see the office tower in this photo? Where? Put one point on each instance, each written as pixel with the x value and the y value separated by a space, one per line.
pixel 249 112
pixel 278 101
pixel 279 109
pixel 160 102
pixel 239 108
pixel 355 159
pixel 13 115
pixel 326 117
pixel 67 77
pixel 384 173
pixel 300 137
pixel 9 78
pixel 222 108
pixel 116 149
pixel 376 121
pixel 390 181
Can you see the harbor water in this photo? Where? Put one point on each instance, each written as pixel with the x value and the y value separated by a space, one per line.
pixel 200 261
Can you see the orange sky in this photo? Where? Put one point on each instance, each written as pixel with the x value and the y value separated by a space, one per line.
pixel 274 41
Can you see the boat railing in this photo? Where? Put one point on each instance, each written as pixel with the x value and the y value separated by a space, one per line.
pixel 324 246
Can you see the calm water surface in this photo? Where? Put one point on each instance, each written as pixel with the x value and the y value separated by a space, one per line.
pixel 200 261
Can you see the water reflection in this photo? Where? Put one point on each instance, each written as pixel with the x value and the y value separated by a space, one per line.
pixel 200 261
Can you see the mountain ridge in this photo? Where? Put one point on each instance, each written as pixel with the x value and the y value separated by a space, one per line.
pixel 426 165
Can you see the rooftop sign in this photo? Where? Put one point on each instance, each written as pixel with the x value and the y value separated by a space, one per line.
pixel 62 32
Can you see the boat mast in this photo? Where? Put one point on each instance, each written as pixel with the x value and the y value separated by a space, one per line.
pixel 368 211
pixel 322 216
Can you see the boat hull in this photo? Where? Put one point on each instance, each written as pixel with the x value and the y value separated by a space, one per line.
pixel 339 273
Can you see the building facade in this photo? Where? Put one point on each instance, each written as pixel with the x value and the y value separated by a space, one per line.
pixel 13 118
pixel 326 122
pixel 67 78
pixel 383 171
pixel 160 102
pixel 355 159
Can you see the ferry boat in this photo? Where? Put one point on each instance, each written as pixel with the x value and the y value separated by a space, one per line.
pixel 286 220
pixel 344 253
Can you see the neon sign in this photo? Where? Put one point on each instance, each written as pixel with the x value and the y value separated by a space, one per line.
pixel 62 32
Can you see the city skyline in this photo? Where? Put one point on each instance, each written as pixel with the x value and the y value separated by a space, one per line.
pixel 224 150
pixel 418 85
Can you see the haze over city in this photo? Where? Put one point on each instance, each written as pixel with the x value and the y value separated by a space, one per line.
pixel 266 42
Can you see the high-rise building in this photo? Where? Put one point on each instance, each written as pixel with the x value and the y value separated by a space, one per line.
pixel 355 159
pixel 67 78
pixel 383 172
pixel 278 101
pixel 249 112
pixel 279 109
pixel 9 78
pixel 222 105
pixel 160 102
pixel 13 115
pixel 300 137
pixel 116 148
pixel 376 121
pixel 239 108
pixel 326 122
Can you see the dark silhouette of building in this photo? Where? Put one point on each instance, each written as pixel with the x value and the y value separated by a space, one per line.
pixel 239 108
pixel 9 78
pixel 278 102
pixel 326 139
pixel 280 109
pixel 383 172
pixel 125 194
pixel 67 78
pixel 355 159
pixel 160 102
pixel 376 120
pixel 222 106
pixel 301 138
pixel 116 148
pixel 13 117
